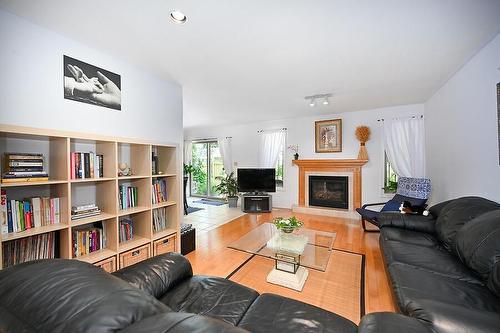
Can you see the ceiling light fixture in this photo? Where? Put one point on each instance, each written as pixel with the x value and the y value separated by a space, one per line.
pixel 178 17
pixel 312 99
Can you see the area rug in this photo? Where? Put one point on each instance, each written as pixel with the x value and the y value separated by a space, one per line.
pixel 340 289
pixel 210 202
pixel 193 209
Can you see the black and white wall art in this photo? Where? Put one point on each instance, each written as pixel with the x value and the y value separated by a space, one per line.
pixel 90 84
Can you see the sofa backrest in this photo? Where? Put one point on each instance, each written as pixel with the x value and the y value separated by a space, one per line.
pixel 454 215
pixel 59 295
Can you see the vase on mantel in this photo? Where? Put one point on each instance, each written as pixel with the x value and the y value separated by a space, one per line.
pixel 363 135
pixel 363 153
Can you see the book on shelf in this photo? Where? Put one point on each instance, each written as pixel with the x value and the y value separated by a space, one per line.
pixel 80 212
pixel 88 239
pixel 23 167
pixel 159 190
pixel 126 229
pixel 86 165
pixel 4 224
pixel 127 196
pixel 43 246
pixel 31 213
pixel 159 219
pixel 154 163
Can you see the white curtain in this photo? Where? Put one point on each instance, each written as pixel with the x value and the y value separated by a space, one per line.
pixel 271 143
pixel 188 152
pixel 404 143
pixel 226 154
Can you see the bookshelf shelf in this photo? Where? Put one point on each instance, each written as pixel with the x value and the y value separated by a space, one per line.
pixel 163 233
pixel 133 243
pixel 33 231
pixel 58 148
pixel 164 204
pixel 91 219
pixel 97 256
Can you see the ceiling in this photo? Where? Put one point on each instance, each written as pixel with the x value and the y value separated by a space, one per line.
pixel 242 61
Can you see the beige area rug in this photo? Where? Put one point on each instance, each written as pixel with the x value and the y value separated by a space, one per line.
pixel 340 289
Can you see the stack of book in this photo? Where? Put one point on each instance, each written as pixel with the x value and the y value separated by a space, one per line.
pixel 80 212
pixel 159 219
pixel 127 196
pixel 86 165
pixel 159 190
pixel 20 215
pixel 126 229
pixel 23 167
pixel 29 248
pixel 89 239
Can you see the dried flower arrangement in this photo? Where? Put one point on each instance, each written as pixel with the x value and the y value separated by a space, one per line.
pixel 363 135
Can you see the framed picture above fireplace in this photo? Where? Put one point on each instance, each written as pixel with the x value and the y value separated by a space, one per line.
pixel 328 136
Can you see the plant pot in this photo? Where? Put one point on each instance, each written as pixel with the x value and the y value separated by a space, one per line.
pixel 288 230
pixel 232 201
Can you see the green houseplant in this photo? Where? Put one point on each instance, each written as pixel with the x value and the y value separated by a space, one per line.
pixel 229 187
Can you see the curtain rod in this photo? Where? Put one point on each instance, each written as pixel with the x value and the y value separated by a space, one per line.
pixel 272 130
pixel 413 117
pixel 209 139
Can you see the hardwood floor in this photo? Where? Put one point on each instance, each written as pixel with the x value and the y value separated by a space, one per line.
pixel 212 257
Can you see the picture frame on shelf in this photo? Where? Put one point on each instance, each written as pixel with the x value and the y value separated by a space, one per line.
pixel 328 136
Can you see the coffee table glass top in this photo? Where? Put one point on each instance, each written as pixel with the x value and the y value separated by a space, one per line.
pixel 314 247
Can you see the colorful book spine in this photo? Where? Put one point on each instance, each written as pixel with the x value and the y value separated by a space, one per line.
pixel 4 222
pixel 29 248
pixel 32 213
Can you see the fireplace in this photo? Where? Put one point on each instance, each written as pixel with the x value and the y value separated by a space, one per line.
pixel 329 191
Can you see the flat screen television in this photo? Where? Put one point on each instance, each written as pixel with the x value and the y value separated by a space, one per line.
pixel 256 180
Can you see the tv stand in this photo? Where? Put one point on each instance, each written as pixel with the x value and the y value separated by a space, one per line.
pixel 256 202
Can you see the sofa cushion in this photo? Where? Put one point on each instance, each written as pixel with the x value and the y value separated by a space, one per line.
pixel 394 204
pixel 457 213
pixel 494 279
pixel 59 295
pixel 211 296
pixel 434 259
pixel 409 237
pixel 389 322
pixel 478 243
pixel 412 284
pixel 273 313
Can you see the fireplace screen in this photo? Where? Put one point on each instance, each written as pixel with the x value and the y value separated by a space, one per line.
pixel 329 191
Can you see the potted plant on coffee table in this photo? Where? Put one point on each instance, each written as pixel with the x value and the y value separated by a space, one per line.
pixel 228 187
pixel 287 225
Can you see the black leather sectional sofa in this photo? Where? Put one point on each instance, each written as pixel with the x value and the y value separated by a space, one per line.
pixel 444 270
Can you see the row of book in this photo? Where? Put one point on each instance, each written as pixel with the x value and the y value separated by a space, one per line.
pixel 127 196
pixel 41 246
pixel 80 212
pixel 159 190
pixel 86 165
pixel 126 229
pixel 159 219
pixel 20 215
pixel 21 167
pixel 89 239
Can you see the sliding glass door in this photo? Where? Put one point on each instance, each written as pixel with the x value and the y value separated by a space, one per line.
pixel 208 165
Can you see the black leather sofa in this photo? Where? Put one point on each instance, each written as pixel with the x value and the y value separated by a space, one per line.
pixel 444 268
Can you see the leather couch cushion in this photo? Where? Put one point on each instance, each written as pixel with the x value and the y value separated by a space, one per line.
pixel 273 313
pixel 478 243
pixel 434 259
pixel 411 284
pixel 494 279
pixel 457 213
pixel 437 208
pixel 409 237
pixel 388 322
pixel 71 296
pixel 211 296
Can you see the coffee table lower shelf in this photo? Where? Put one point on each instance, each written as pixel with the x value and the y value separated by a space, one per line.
pixel 289 280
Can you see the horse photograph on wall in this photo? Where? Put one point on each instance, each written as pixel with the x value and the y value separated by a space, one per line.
pixel 91 84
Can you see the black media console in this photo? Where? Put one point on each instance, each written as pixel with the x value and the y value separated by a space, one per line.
pixel 257 203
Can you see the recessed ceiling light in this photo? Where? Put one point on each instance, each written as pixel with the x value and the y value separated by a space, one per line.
pixel 178 17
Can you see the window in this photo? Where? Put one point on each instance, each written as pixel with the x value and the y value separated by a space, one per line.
pixel 390 177
pixel 280 170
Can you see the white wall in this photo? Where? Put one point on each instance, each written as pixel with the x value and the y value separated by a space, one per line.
pixel 461 130
pixel 245 141
pixel 31 93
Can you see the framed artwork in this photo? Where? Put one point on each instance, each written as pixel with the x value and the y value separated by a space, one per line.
pixel 90 84
pixel 498 120
pixel 328 136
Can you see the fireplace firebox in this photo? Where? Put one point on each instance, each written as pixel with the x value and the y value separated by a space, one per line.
pixel 329 191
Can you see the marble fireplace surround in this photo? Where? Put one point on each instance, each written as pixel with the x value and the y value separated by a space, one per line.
pixel 330 167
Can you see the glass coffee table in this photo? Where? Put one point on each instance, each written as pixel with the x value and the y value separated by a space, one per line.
pixel 293 253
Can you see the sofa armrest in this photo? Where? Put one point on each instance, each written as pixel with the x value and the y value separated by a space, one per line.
pixel 388 322
pixel 407 221
pixel 157 275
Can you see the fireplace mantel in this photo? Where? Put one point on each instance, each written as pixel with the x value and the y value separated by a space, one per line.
pixel 352 166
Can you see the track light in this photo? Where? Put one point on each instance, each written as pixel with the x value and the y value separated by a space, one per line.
pixel 312 103
pixel 325 101
pixel 312 99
